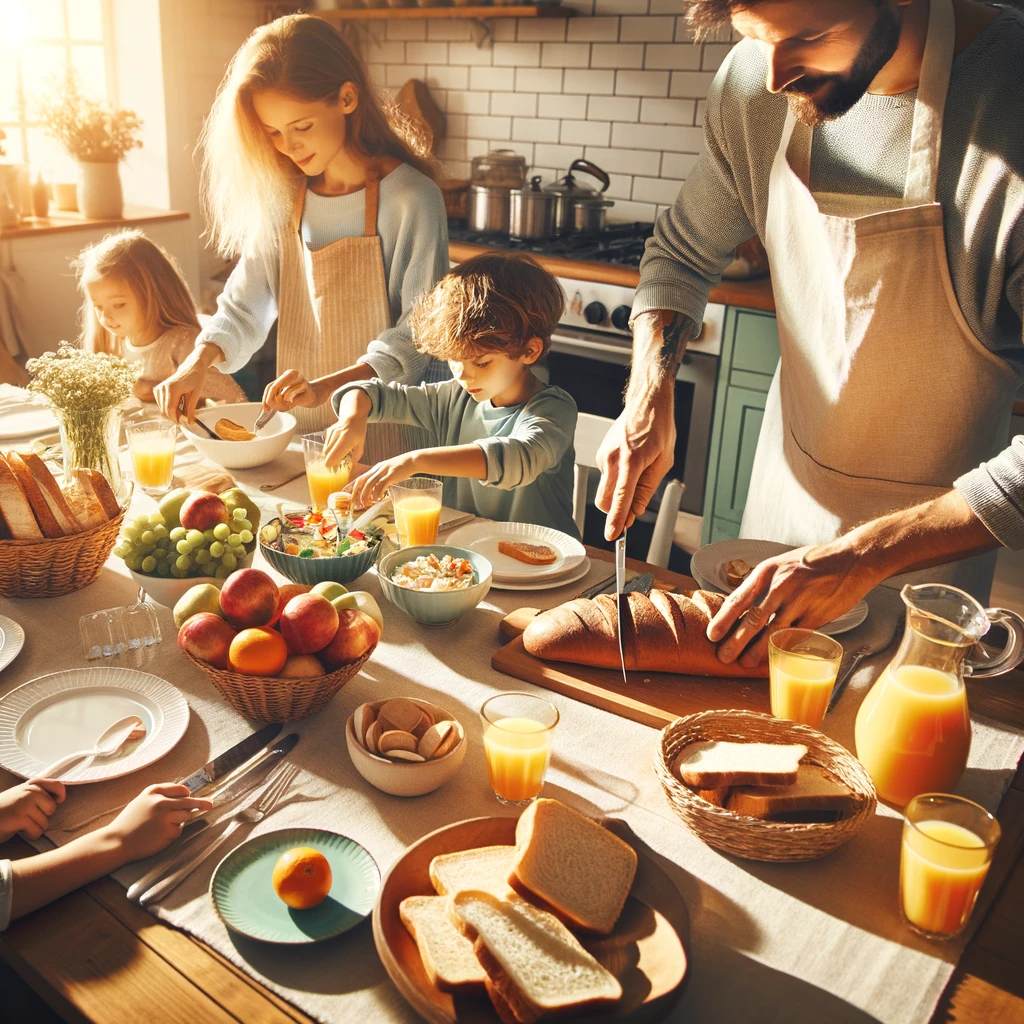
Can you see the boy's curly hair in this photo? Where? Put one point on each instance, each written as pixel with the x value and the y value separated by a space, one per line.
pixel 495 302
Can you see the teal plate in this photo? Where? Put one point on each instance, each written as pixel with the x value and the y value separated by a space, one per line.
pixel 244 898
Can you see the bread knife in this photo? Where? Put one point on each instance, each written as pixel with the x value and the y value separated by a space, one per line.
pixel 621 599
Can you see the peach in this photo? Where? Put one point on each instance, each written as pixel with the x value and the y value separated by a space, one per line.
pixel 208 637
pixel 285 594
pixel 356 634
pixel 308 623
pixel 203 510
pixel 248 598
pixel 301 666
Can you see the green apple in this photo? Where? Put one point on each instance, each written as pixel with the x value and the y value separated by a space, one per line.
pixel 329 589
pixel 237 498
pixel 170 507
pixel 204 597
pixel 363 602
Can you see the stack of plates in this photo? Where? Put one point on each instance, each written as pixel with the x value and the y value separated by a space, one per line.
pixel 571 563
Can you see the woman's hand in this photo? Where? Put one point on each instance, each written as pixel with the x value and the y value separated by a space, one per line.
pixel 373 485
pixel 28 807
pixel 185 384
pixel 289 390
pixel 153 820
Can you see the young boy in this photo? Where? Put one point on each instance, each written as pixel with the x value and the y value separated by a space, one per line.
pixel 503 440
pixel 148 824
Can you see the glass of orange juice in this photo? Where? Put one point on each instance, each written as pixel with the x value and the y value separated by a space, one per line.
pixel 802 669
pixel 417 504
pixel 152 444
pixel 518 732
pixel 323 481
pixel 948 843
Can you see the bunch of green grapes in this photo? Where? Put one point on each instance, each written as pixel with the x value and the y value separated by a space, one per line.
pixel 149 547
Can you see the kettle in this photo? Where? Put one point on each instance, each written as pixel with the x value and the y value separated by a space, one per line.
pixel 568 192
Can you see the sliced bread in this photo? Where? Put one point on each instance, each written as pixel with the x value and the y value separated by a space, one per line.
pixel 814 790
pixel 84 502
pixel 573 864
pixel 535 962
pixel 532 554
pixel 104 492
pixel 712 764
pixel 40 508
pixel 15 507
pixel 51 492
pixel 447 953
pixel 486 869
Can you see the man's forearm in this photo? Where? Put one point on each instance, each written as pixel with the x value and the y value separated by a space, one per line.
pixel 659 344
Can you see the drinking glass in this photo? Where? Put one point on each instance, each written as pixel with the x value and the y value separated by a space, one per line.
pixel 323 481
pixel 802 669
pixel 417 504
pixel 152 444
pixel 948 843
pixel 519 729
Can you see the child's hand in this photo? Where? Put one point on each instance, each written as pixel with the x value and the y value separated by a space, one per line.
pixel 28 806
pixel 153 819
pixel 348 435
pixel 374 483
pixel 289 390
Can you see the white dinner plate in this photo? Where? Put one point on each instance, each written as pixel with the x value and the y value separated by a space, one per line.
pixel 12 639
pixel 708 568
pixel 559 581
pixel 25 419
pixel 55 715
pixel 484 537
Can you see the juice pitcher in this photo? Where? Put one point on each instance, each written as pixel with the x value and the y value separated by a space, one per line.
pixel 913 730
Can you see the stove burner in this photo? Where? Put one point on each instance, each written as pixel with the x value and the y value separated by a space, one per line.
pixel 619 244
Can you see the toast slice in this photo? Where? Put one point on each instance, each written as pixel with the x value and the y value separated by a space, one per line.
pixel 104 492
pixel 535 962
pixel 15 507
pixel 447 954
pixel 713 764
pixel 485 869
pixel 40 509
pixel 573 864
pixel 814 790
pixel 532 554
pixel 47 484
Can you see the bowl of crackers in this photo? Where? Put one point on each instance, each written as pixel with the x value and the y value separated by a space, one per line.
pixel 405 746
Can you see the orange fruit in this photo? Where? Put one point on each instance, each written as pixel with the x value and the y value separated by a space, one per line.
pixel 258 651
pixel 302 877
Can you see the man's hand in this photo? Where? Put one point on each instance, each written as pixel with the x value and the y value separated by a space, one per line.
pixel 289 390
pixel 185 384
pixel 374 483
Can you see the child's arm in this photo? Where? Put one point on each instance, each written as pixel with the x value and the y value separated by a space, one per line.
pixel 27 807
pixel 461 460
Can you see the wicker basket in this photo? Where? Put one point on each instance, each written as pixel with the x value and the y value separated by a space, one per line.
pixel 269 699
pixel 753 838
pixel 56 566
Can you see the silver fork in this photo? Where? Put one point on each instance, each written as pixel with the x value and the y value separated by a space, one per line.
pixel 200 849
pixel 264 418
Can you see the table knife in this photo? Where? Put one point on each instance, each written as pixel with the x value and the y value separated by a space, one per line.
pixel 621 599
pixel 221 767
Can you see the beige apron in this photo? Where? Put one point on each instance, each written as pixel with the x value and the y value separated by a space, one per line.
pixel 331 304
pixel 883 396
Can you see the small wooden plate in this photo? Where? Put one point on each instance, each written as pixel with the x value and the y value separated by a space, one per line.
pixel 644 951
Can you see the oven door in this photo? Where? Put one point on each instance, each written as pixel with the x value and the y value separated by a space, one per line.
pixel 594 369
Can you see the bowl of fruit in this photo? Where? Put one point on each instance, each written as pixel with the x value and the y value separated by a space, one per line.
pixel 277 654
pixel 193 537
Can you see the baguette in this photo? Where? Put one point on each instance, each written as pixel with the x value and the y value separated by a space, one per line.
pixel 447 954
pixel 814 790
pixel 84 501
pixel 713 764
pixel 40 509
pixel 52 494
pixel 15 507
pixel 104 492
pixel 664 633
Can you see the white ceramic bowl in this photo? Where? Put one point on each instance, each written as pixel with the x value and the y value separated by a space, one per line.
pixel 440 608
pixel 168 590
pixel 265 447
pixel 410 778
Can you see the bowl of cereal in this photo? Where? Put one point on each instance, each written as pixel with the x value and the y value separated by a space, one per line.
pixel 434 584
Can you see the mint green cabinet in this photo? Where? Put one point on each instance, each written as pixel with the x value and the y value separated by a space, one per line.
pixel 750 353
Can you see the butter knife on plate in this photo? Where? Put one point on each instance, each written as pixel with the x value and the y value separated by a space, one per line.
pixel 621 598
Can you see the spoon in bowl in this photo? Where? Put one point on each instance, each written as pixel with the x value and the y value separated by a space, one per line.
pixel 111 741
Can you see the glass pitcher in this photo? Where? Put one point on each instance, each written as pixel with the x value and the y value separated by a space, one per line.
pixel 913 731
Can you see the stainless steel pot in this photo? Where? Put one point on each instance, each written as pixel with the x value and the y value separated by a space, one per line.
pixel 532 212
pixel 588 215
pixel 568 191
pixel 489 209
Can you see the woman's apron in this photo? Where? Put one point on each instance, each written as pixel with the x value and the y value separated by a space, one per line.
pixel 331 304
pixel 883 396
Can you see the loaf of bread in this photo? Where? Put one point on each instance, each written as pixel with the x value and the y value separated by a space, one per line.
pixel 664 633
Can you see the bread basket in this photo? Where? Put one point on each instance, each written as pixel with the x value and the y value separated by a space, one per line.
pixel 753 838
pixel 270 699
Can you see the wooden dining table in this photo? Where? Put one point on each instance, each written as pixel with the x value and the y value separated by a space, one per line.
pixel 95 957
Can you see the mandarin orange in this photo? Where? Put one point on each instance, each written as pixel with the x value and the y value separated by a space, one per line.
pixel 302 877
pixel 258 651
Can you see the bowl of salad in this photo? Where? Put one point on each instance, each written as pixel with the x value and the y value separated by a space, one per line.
pixel 313 546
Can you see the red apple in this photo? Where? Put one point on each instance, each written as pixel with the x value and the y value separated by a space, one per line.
pixel 356 634
pixel 308 623
pixel 202 510
pixel 207 636
pixel 248 599
pixel 285 594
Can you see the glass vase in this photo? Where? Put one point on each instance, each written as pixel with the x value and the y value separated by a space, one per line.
pixel 90 439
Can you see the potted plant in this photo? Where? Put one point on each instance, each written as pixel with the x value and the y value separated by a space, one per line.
pixel 96 136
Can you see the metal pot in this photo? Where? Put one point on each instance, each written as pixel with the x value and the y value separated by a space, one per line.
pixel 588 215
pixel 532 212
pixel 567 191
pixel 488 209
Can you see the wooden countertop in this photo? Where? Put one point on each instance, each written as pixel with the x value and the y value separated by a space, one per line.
pixel 61 221
pixel 755 294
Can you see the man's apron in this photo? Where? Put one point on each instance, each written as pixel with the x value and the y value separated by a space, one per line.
pixel 883 396
pixel 331 304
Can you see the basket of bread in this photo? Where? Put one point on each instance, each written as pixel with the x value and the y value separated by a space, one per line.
pixel 763 788
pixel 54 537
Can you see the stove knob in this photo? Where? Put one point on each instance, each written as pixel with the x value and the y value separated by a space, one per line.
pixel 595 313
pixel 620 317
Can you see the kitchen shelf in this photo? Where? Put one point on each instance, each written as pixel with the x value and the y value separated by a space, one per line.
pixel 473 13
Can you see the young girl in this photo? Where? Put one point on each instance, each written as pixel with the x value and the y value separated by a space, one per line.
pixel 334 217
pixel 136 305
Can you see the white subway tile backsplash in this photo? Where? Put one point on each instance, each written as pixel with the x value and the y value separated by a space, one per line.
pixel 691 83
pixel 451 78
pixel 677 165
pixel 455 126
pixel 491 79
pixel 478 147
pixel 617 55
pixel 671 138
pixel 565 55
pixel 698 117
pixel 460 101
pixel 403 28
pixel 613 108
pixel 714 54
pixel 647 30
pixel 515 104
pixel 624 161
pixel 399 74
pixel 556 156
pixel 626 213
pixel 620 187
pixel 478 126
pixel 538 80
pixel 504 30
pixel 468 53
pixel 672 56
pixel 560 105
pixel 658 111
pixel 590 30
pixel 586 133
pixel 386 51
pixel 589 82
pixel 535 129
pixel 426 53
pixel 454 30
pixel 621 6
pixel 641 83
pixel 451 149
pixel 585 7
pixel 656 190
pixel 516 55
pixel 543 30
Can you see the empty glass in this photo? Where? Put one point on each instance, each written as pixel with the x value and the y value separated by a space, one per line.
pixel 114 631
